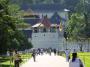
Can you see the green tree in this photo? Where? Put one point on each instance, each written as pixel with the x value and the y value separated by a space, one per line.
pixel 76 26
pixel 83 8
pixel 22 40
pixel 10 16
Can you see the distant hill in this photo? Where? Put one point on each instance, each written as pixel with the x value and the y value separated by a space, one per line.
pixel 38 1
pixel 43 7
pixel 69 4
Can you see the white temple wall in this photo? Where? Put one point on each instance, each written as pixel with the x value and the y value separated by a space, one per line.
pixel 45 40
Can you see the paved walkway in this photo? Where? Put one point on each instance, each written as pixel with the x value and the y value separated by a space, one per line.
pixel 46 61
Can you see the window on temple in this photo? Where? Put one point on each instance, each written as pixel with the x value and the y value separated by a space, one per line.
pixel 44 30
pixel 35 30
pixel 53 29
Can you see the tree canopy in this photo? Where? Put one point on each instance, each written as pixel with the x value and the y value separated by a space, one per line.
pixel 78 24
pixel 10 36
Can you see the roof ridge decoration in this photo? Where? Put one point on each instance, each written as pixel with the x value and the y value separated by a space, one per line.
pixel 45 21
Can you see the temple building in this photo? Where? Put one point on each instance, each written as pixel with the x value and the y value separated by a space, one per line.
pixel 44 30
pixel 47 34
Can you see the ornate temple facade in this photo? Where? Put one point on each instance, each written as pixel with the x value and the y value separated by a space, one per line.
pixel 47 34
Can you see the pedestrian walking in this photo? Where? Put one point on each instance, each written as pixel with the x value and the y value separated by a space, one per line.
pixel 34 55
pixel 75 62
pixel 54 50
pixel 67 52
pixel 8 53
pixel 16 58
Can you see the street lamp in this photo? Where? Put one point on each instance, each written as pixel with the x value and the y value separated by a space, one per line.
pixel 66 15
pixel 66 10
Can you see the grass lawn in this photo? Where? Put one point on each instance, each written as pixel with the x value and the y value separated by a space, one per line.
pixel 5 61
pixel 85 56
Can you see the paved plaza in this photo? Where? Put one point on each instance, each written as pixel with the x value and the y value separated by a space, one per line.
pixel 47 61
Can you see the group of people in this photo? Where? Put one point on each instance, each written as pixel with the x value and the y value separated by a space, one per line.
pixel 74 61
pixel 41 51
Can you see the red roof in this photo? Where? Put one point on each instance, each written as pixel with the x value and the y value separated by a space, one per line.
pixel 45 21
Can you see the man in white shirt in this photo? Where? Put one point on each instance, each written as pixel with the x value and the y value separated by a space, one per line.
pixel 67 52
pixel 75 62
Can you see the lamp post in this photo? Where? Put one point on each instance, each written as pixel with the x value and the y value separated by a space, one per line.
pixel 66 14
pixel 67 18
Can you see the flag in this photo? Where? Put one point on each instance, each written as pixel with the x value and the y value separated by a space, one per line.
pixel 60 27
